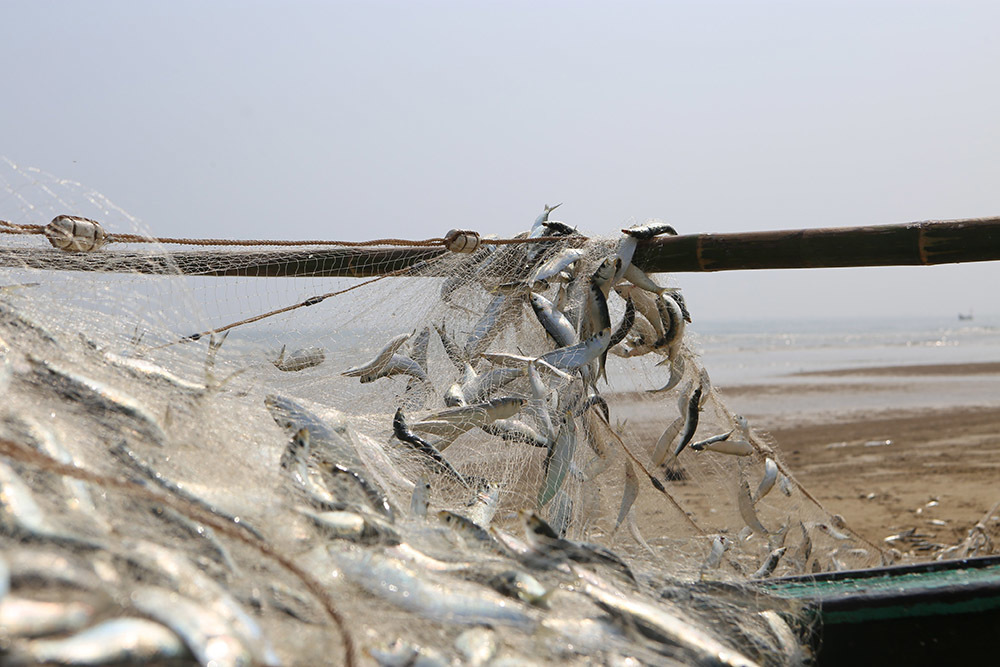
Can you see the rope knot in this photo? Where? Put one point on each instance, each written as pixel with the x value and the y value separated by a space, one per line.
pixel 462 240
pixel 74 234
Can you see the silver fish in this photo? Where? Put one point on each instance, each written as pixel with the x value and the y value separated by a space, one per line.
pixel 673 324
pixel 626 250
pixel 746 508
pixel 477 645
pixel 537 405
pixel 513 430
pixel 561 513
pixel 661 623
pixel 397 364
pixel 23 617
pixel 690 423
pixel 574 356
pixel 629 495
pixel 553 321
pixel 453 351
pixel 552 266
pixel 707 442
pixel 480 387
pixel 452 602
pixel 435 459
pixel 208 636
pixel 767 483
pixel 719 546
pixel 342 524
pixel 95 394
pixel 489 325
pixel 380 359
pixel 421 498
pixel 640 279
pixel 537 227
pixel 649 230
pixel 769 564
pixel 484 504
pixel 116 641
pixel 147 370
pixel 558 460
pixel 732 447
pixel 332 441
pixel 523 586
pixel 299 360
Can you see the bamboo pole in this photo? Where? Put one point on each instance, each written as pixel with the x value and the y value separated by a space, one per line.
pixel 920 243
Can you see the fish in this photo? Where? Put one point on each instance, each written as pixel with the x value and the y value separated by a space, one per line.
pixel 418 347
pixel 537 405
pixel 22 617
pixel 355 526
pixel 641 279
pixel 561 512
pixel 669 435
pixel 545 541
pixel 767 483
pixel 380 360
pixel 331 441
pixel 477 646
pixel 629 495
pixel 480 387
pixel 553 320
pixel 21 516
pixel 207 635
pixel 513 430
pixel 555 264
pixel 708 442
pixel 116 641
pixel 122 452
pixel 556 228
pixel 421 498
pixel 733 447
pixel 558 460
pixel 484 504
pixel 690 423
pixel 785 484
pixel 147 370
pixel 452 350
pixel 471 532
pixel 489 325
pixel 451 423
pixel 769 564
pixel 720 544
pixel 596 317
pixel 96 395
pixel 649 230
pixel 536 227
pixel 521 585
pixel 453 602
pixel 435 459
pixel 295 461
pixel 645 305
pixel 661 623
pixel 397 364
pixel 575 356
pixel 626 250
pixel 676 375
pixel 746 508
pixel 673 325
pixel 299 360
pixel 376 497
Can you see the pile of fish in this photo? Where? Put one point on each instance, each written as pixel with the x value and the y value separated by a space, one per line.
pixel 150 514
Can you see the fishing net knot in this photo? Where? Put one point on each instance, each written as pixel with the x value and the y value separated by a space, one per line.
pixel 462 241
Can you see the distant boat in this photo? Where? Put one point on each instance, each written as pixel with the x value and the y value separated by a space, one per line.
pixel 965 316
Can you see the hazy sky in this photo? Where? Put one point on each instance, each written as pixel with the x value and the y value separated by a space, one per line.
pixel 371 119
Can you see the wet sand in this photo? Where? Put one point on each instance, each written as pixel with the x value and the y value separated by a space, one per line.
pixel 891 449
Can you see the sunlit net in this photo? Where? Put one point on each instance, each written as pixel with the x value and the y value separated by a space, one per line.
pixel 101 366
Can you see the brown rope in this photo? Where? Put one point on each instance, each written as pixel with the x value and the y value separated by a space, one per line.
pixel 137 238
pixel 38 460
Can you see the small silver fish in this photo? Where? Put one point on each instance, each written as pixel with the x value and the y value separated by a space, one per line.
pixel 555 323
pixel 746 508
pixel 720 544
pixel 477 645
pixel 558 460
pixel 299 360
pixel 649 230
pixel 26 618
pixel 418 592
pixel 769 564
pixel 116 641
pixel 767 483
pixel 421 498
pixel 397 364
pixel 575 356
pixel 380 359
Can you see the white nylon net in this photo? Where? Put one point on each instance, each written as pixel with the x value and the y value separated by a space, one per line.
pixel 201 500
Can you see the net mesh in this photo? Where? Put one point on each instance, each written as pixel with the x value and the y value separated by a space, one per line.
pixel 148 460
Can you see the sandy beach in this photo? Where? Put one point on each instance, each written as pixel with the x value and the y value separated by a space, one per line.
pixel 906 451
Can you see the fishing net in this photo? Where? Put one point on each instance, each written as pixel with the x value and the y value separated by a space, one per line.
pixel 258 452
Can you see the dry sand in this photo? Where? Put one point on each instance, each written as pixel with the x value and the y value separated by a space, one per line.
pixel 891 449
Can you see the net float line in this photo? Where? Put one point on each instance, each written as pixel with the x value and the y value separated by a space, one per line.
pixel 907 244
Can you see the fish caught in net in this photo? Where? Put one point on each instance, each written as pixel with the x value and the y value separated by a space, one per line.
pixel 512 455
